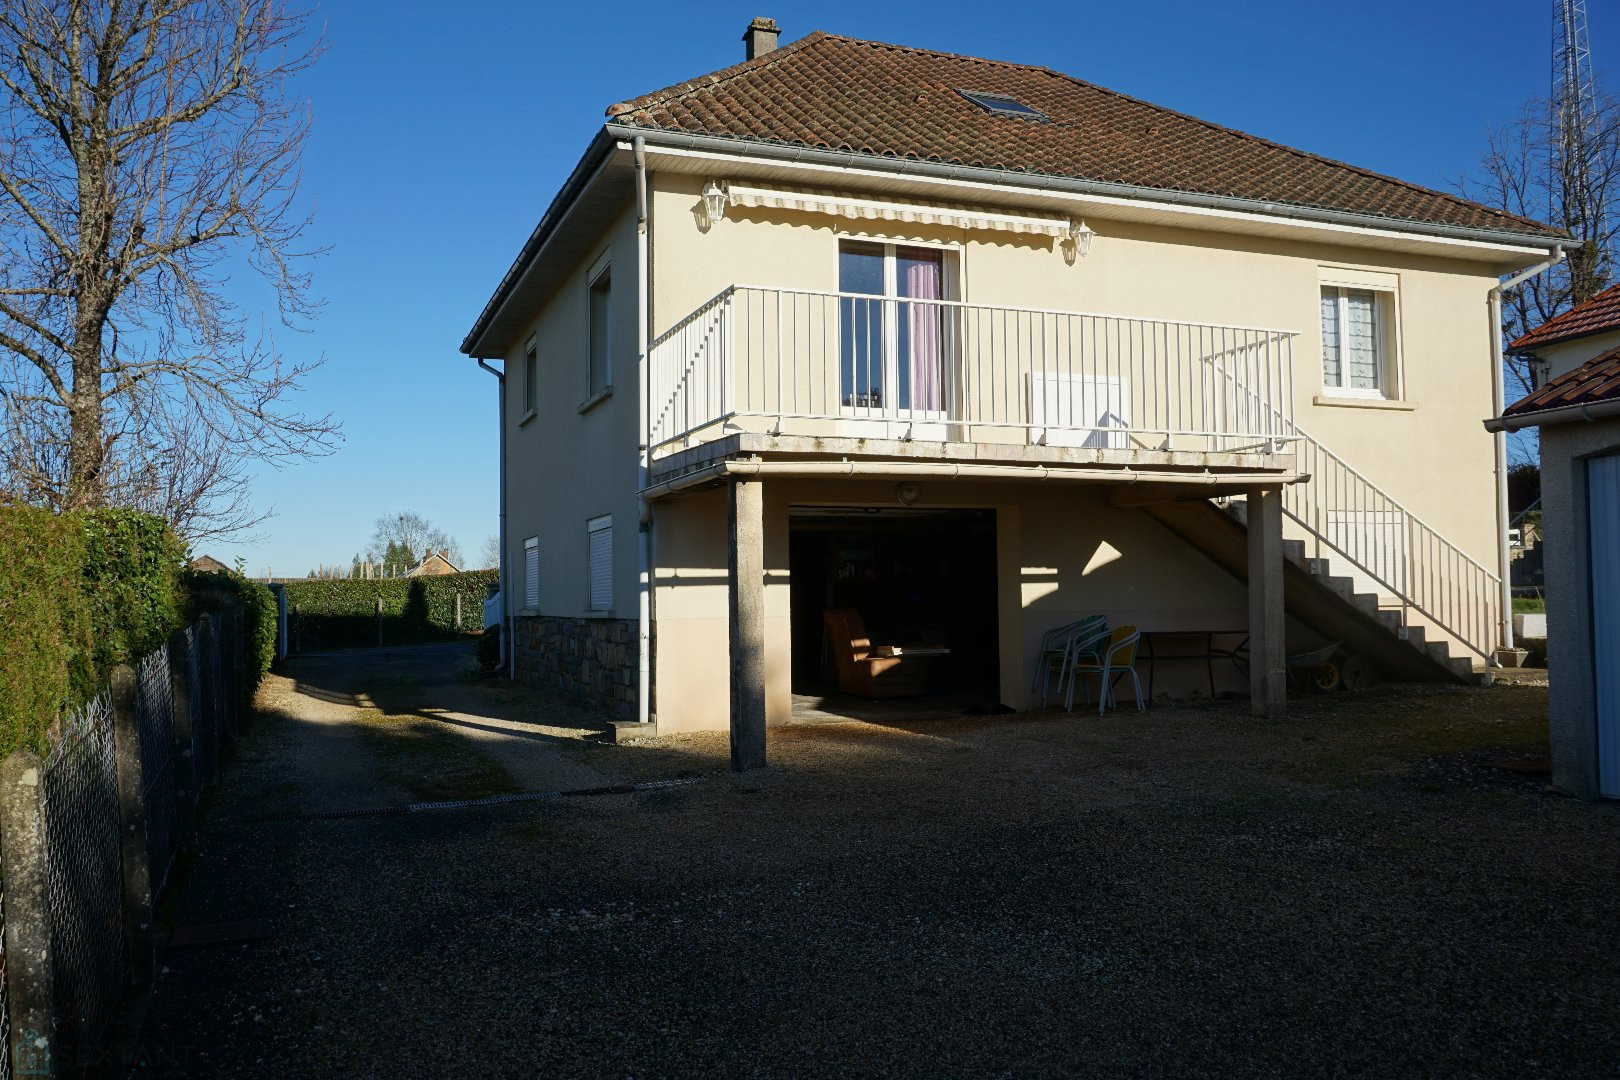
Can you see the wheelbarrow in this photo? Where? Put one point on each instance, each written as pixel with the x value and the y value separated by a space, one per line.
pixel 1324 670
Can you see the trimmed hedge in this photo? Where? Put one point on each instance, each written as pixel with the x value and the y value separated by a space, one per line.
pixel 336 613
pixel 79 593
pixel 258 603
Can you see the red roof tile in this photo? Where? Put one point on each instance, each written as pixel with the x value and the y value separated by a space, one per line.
pixel 866 97
pixel 1596 380
pixel 1598 315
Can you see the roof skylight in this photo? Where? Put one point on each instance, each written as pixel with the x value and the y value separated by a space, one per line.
pixel 1001 104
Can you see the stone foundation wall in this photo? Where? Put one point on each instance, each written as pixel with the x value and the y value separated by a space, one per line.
pixel 593 659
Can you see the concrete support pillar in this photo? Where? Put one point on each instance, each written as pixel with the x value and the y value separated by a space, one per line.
pixel 1268 668
pixel 138 936
pixel 746 538
pixel 186 780
pixel 30 978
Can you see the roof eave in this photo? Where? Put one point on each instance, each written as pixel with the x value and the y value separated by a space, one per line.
pixel 1069 185
pixel 590 164
pixel 1564 414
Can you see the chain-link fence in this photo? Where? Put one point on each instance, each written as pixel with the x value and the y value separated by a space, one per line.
pixel 84 876
pixel 84 864
pixel 154 713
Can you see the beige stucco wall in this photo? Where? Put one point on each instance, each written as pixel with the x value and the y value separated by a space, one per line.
pixel 1431 453
pixel 1062 553
pixel 565 466
pixel 1568 355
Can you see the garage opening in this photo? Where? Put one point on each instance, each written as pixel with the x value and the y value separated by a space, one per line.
pixel 917 586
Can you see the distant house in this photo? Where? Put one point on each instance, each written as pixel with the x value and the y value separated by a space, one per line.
pixel 433 564
pixel 975 350
pixel 1577 410
pixel 207 564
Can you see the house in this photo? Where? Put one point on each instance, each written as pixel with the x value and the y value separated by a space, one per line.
pixel 974 349
pixel 207 564
pixel 432 564
pixel 1577 413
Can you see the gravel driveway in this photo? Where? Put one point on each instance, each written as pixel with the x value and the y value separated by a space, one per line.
pixel 1362 890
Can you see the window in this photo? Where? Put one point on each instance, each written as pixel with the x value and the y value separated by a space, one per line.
pixel 1002 105
pixel 599 554
pixel 531 573
pixel 1357 327
pixel 893 347
pixel 531 380
pixel 601 333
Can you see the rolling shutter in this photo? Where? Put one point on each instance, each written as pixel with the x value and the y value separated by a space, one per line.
pixel 531 573
pixel 599 532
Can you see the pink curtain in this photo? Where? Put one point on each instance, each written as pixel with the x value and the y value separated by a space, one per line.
pixel 927 378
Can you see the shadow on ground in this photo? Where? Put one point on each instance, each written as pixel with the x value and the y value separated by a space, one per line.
pixel 1192 891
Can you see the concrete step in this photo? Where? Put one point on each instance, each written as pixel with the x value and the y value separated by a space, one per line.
pixel 1342 587
pixel 1440 653
pixel 1317 568
pixel 1391 621
pixel 1366 603
pixel 1463 668
pixel 1416 636
pixel 1294 551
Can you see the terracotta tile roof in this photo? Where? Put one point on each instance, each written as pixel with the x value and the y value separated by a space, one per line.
pixel 839 93
pixel 1596 380
pixel 1598 315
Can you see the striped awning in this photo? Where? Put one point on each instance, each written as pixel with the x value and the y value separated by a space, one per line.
pixel 864 208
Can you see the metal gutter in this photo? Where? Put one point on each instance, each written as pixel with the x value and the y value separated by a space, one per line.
pixel 643 451
pixel 1567 414
pixel 1070 186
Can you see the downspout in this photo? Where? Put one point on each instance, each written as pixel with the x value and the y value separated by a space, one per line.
pixel 643 464
pixel 1499 396
pixel 506 622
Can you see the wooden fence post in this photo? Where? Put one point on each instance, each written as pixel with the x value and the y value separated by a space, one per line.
pixel 458 613
pixel 30 979
pixel 185 741
pixel 138 935
pixel 379 621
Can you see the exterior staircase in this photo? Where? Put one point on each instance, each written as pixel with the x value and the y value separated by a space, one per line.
pixel 1395 645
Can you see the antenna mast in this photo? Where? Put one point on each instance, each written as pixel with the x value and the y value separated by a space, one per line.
pixel 1575 202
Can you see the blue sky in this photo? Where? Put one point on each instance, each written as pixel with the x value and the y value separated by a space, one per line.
pixel 439 139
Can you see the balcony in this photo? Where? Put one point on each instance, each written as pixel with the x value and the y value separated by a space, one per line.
pixel 797 371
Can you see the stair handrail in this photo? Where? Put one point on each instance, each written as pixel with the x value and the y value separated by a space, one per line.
pixel 1404 593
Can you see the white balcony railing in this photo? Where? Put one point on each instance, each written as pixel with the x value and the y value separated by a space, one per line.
pixel 796 362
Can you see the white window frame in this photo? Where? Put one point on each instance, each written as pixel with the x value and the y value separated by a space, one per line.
pixel 531 379
pixel 1386 291
pixel 951 277
pixel 602 269
pixel 593 528
pixel 531 573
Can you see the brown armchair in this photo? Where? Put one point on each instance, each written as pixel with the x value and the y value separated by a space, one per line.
pixel 861 669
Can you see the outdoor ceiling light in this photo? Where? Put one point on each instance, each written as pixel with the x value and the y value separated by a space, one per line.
pixel 714 201
pixel 1080 235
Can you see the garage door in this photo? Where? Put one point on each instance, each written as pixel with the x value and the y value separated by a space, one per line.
pixel 1603 498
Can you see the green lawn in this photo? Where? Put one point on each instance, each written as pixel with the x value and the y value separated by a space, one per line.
pixel 1528 605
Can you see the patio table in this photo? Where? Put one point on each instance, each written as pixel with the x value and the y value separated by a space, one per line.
pixel 1204 651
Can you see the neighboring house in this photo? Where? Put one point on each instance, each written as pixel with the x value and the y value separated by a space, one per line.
pixel 1577 410
pixel 433 564
pixel 207 564
pixel 975 349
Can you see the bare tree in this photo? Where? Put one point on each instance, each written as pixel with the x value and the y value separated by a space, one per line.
pixel 413 532
pixel 148 148
pixel 1522 174
pixel 489 554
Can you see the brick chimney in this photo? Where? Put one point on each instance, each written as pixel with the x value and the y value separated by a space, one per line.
pixel 760 37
